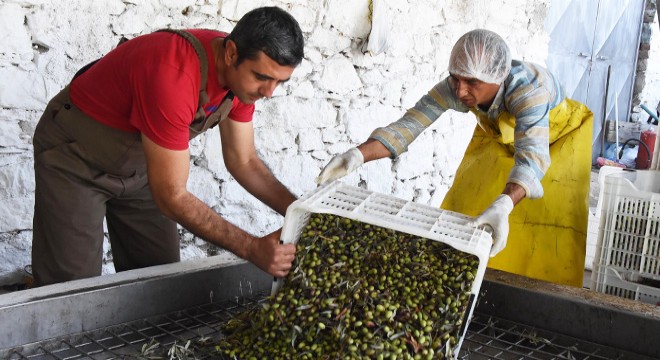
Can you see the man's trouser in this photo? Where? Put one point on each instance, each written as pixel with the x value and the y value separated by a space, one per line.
pixel 86 171
pixel 547 236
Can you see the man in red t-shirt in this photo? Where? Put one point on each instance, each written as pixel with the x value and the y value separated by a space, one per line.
pixel 114 144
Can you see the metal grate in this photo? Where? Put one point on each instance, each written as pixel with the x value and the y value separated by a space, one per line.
pixel 493 338
pixel 199 327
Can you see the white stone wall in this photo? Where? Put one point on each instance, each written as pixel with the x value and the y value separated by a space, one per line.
pixel 336 97
pixel 650 95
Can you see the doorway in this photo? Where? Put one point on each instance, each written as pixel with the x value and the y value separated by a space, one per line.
pixel 593 52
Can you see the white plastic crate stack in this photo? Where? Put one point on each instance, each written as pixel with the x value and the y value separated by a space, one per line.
pixel 627 261
pixel 393 213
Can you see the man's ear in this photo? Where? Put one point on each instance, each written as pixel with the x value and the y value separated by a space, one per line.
pixel 231 53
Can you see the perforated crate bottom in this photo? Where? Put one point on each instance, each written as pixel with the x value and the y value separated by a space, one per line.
pixel 487 338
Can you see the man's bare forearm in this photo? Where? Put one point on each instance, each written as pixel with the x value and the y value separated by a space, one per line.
pixel 203 222
pixel 373 150
pixel 515 192
pixel 258 180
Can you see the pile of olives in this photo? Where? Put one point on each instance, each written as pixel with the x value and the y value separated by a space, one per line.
pixel 359 291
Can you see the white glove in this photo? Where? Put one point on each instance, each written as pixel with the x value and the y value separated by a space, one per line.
pixel 497 218
pixel 341 165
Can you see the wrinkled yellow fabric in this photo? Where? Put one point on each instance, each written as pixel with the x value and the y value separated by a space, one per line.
pixel 547 236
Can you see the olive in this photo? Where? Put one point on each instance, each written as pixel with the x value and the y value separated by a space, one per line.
pixel 359 291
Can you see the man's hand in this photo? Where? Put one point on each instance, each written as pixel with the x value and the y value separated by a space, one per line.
pixel 497 218
pixel 271 256
pixel 341 165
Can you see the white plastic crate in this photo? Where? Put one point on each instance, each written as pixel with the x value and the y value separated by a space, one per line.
pixel 592 239
pixel 386 211
pixel 594 217
pixel 614 282
pixel 628 250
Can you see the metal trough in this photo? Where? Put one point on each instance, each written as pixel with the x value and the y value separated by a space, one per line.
pixel 120 316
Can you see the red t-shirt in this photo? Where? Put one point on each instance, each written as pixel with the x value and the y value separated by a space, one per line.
pixel 151 85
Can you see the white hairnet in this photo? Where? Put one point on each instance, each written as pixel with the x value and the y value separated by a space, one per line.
pixel 481 54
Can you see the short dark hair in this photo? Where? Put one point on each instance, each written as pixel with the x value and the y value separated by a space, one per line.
pixel 271 30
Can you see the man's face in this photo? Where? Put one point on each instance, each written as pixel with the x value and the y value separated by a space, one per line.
pixel 252 80
pixel 473 92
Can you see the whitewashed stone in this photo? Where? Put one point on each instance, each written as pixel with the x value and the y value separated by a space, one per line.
pixel 418 160
pixel 349 17
pixel 391 93
pixel 297 172
pixel 332 135
pixel 275 138
pixel 17 179
pixel 202 184
pixel 454 131
pixel 303 70
pixel 210 10
pixel 439 188
pixel 162 21
pixel 427 72
pixel 305 15
pixel 188 237
pixel 404 190
pixel 362 103
pixel 339 76
pixel 365 60
pixel 372 91
pixel 231 192
pixel 421 18
pixel 213 154
pixel 321 155
pixel 15 41
pixel 310 140
pixel 16 212
pixel 257 221
pixel 400 44
pixel 313 55
pixel 16 195
pixel 177 4
pixel 279 91
pixel 378 175
pixel 191 253
pixel 328 42
pixel 15 250
pixel 10 136
pixel 295 113
pixel 24 89
pixel 422 45
pixel 132 21
pixel 398 67
pixel 235 9
pixel 304 90
pixel 108 269
pixel 372 77
pixel 412 95
pixel 360 123
pixel 339 147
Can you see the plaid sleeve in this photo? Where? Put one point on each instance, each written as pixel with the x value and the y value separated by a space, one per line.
pixel 530 104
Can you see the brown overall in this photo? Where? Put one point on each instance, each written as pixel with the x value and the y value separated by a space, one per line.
pixel 85 171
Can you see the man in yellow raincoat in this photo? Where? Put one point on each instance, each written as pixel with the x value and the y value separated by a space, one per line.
pixel 531 142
